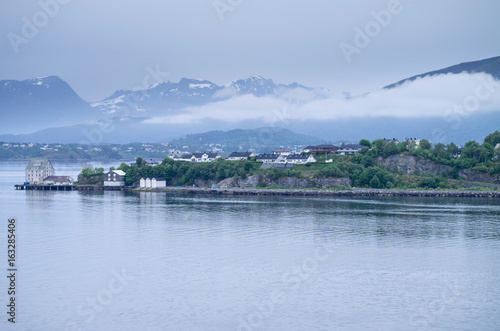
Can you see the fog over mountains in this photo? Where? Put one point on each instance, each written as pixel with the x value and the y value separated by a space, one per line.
pixel 458 103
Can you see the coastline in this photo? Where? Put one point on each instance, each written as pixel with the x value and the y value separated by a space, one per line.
pixel 339 193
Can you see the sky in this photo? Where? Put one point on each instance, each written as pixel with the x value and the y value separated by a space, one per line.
pixel 99 47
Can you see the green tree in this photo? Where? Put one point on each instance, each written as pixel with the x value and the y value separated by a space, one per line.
pixel 493 138
pixel 124 167
pixel 390 149
pixel 87 173
pixel 140 162
pixel 365 142
pixel 429 182
pixel 425 144
pixel 375 182
pixel 452 149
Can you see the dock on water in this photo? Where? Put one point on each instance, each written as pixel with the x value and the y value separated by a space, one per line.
pixel 69 187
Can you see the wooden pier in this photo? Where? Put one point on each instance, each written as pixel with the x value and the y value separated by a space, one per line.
pixel 70 187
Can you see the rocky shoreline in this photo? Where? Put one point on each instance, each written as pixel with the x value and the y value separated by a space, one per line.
pixel 337 193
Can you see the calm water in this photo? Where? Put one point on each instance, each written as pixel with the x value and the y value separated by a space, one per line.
pixel 154 261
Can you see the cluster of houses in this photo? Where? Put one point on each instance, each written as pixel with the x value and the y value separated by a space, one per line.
pixel 280 155
pixel 332 149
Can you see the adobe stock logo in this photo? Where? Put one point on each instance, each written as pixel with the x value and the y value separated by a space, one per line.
pixel 29 30
pixel 363 37
pixel 222 7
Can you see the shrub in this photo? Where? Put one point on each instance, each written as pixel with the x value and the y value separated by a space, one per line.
pixel 262 183
pixel 429 182
pixel 375 182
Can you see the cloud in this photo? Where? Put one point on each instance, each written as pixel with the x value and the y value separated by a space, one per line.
pixel 225 93
pixel 435 96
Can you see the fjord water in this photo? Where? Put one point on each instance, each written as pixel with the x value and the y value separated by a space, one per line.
pixel 155 261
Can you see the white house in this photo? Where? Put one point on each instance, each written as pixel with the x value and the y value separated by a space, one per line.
pixel 200 157
pixel 157 182
pixel 152 162
pixel 37 170
pixel 412 143
pixel 281 151
pixel 58 180
pixel 349 149
pixel 142 183
pixel 270 158
pixel 300 158
pixel 114 178
pixel 176 156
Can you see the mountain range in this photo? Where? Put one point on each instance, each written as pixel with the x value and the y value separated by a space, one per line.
pixel 167 97
pixel 47 109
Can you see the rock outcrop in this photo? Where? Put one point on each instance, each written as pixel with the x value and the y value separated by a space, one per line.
pixel 476 176
pixel 287 182
pixel 411 164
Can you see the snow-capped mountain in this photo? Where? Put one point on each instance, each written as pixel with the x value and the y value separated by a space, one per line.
pixel 167 97
pixel 163 96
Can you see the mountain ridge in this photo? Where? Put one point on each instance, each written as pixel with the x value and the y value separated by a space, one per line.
pixel 490 66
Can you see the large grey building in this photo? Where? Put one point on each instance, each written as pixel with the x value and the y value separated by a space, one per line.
pixel 38 170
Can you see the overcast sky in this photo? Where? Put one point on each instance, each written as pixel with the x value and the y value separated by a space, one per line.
pixel 101 46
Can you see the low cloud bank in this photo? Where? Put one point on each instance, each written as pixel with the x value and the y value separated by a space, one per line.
pixel 436 96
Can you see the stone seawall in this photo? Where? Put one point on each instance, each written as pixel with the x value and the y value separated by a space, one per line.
pixel 343 193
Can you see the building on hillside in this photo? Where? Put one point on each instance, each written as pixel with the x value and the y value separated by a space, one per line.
pixel 236 156
pixel 349 149
pixel 175 155
pixel 152 162
pixel 114 178
pixel 320 148
pixel 270 158
pixel 58 180
pixel 496 152
pixel 281 151
pixel 412 143
pixel 393 140
pixel 300 158
pixel 200 157
pixel 37 170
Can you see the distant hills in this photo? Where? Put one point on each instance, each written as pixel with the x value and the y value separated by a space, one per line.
pixel 48 110
pixel 261 140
